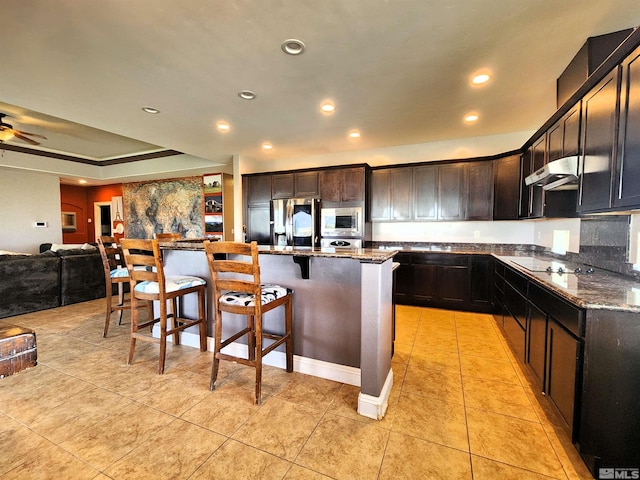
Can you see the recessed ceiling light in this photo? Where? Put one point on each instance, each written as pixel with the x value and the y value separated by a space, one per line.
pixel 293 46
pixel 150 110
pixel 355 133
pixel 471 117
pixel 247 95
pixel 480 78
pixel 223 126
pixel 328 107
pixel 267 146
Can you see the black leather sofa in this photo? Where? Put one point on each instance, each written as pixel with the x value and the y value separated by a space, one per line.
pixel 29 283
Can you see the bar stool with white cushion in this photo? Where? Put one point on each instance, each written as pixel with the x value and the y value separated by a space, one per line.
pixel 235 280
pixel 150 283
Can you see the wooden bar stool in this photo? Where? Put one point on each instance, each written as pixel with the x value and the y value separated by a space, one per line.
pixel 149 283
pixel 115 273
pixel 235 280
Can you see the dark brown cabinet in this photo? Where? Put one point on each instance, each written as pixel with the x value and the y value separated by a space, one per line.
pixel 537 343
pixel 440 192
pixel 256 189
pixel 506 187
pixel 627 193
pixel 296 184
pixel 342 186
pixel 480 191
pixel 599 137
pixel 426 192
pixel 391 194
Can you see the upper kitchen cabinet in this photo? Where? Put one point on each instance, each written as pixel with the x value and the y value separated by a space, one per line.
pixel 391 194
pixel 256 189
pixel 440 192
pixel 480 193
pixel 296 184
pixel 506 187
pixel 599 138
pixel 344 186
pixel 627 193
pixel 533 195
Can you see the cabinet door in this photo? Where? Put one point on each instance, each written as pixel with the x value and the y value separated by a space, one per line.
pixel 599 119
pixel 283 185
pixel 259 224
pixel 305 184
pixel 330 187
pixel 453 285
pixel 571 140
pixel 257 189
pixel 380 202
pixel 536 342
pixel 401 194
pixel 403 279
pixel 425 181
pixel 452 191
pixel 353 184
pixel 538 160
pixel 628 165
pixel 563 351
pixel 506 188
pixel 481 282
pixel 480 198
pixel 425 281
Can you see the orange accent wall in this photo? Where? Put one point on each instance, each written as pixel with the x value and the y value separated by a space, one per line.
pixel 80 200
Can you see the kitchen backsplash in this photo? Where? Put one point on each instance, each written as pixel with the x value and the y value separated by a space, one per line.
pixel 604 243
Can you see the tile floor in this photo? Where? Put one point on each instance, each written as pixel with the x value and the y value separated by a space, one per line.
pixel 461 408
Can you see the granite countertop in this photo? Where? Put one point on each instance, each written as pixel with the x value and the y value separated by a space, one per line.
pixel 363 255
pixel 602 290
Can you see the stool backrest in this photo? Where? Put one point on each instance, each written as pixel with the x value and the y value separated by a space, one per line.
pixel 240 274
pixel 111 253
pixel 144 261
pixel 168 237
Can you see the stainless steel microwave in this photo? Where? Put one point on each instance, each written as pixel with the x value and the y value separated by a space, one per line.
pixel 341 222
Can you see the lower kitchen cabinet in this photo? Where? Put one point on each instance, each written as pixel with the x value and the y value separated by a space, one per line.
pixel 537 343
pixel 444 280
pixel 259 224
pixel 564 352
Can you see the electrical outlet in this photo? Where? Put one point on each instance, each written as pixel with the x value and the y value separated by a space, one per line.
pixel 476 234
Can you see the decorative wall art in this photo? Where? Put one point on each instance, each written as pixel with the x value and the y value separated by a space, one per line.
pixel 164 206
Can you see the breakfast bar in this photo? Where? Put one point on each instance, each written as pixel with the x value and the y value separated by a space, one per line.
pixel 342 312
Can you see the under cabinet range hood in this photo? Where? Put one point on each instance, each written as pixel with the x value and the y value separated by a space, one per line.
pixel 561 174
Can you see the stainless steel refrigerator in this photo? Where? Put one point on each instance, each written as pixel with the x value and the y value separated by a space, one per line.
pixel 296 222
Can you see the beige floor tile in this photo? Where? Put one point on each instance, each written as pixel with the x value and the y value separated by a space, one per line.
pixel 235 460
pixel 436 359
pixel 23 443
pixel 175 452
pixel 492 369
pixel 486 469
pixel 512 441
pixel 224 411
pixel 313 392
pixel 49 462
pixel 112 438
pixel 426 341
pixel 279 427
pixel 480 348
pixel 344 448
pixel 499 397
pixel 431 419
pixel 273 379
pixel 176 391
pixel 409 457
pixel 445 385
pixel 296 472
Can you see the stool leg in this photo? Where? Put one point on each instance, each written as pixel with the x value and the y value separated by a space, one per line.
pixel 258 358
pixel 163 336
pixel 120 301
pixel 203 321
pixel 251 337
pixel 109 293
pixel 216 349
pixel 174 320
pixel 134 327
pixel 288 319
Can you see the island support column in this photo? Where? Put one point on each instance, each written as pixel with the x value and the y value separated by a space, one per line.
pixel 376 338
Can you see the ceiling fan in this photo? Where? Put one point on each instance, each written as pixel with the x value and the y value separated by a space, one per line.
pixel 7 132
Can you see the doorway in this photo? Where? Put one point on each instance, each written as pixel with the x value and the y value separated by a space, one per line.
pixel 102 219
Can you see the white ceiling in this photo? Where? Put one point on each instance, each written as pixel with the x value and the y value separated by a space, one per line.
pixel 397 70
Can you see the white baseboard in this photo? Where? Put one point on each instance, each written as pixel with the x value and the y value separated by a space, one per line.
pixel 376 407
pixel 308 366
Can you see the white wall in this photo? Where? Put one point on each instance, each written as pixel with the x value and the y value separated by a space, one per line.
pixel 25 198
pixel 544 232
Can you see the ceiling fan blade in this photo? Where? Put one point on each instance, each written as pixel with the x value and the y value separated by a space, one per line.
pixel 30 134
pixel 25 139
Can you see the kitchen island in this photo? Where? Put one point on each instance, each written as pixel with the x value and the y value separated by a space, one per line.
pixel 342 312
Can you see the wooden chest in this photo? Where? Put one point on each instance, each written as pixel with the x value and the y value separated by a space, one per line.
pixel 17 350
